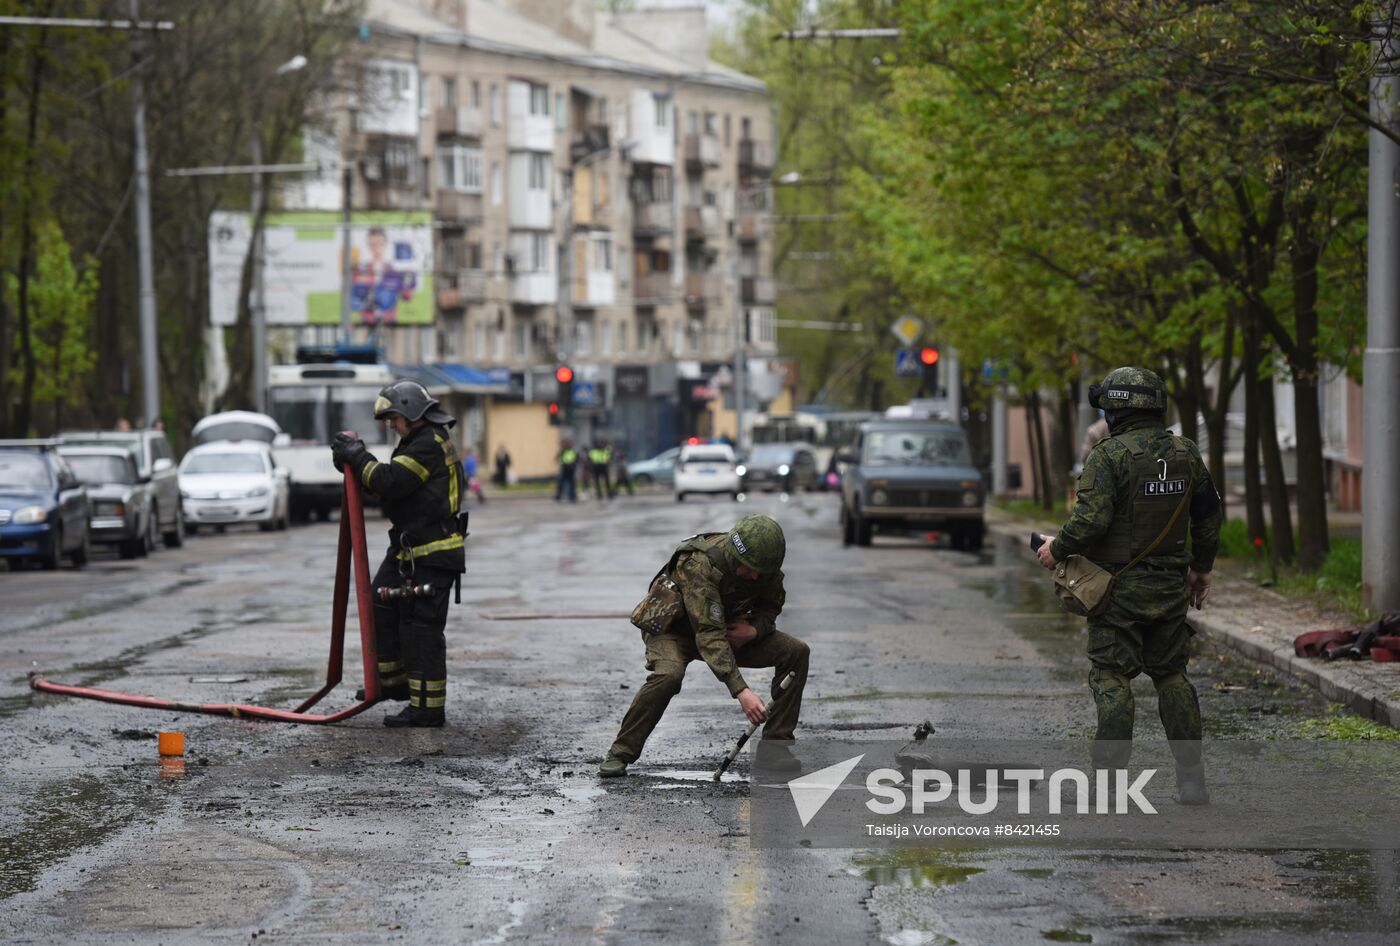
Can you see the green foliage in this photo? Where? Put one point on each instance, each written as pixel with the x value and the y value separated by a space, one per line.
pixel 1341 725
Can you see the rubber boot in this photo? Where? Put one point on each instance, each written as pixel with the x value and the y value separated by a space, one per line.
pixel 416 717
pixel 612 767
pixel 398 693
pixel 1191 786
pixel 776 757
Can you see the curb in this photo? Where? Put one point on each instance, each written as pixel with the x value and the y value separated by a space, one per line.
pixel 1343 683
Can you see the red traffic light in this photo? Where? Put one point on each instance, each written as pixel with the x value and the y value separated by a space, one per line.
pixel 929 356
pixel 563 374
pixel 554 408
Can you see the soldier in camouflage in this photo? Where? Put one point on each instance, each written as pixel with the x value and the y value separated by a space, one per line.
pixel 717 599
pixel 1130 493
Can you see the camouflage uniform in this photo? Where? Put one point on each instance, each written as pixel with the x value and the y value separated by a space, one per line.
pixel 1119 512
pixel 683 618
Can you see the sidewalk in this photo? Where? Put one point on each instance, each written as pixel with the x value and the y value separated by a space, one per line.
pixel 1260 625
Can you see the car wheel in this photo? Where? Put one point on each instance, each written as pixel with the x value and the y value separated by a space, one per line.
pixel 957 538
pixel 51 561
pixel 642 479
pixel 267 526
pixel 975 538
pixel 848 527
pixel 176 537
pixel 323 513
pixel 132 548
pixel 83 552
pixel 863 529
pixel 285 522
pixel 680 497
pixel 151 540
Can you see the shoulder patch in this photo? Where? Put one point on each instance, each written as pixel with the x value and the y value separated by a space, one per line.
pixel 1087 477
pixel 716 613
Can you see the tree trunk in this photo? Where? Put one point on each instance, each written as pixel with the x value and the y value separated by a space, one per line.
pixel 1031 409
pixel 24 417
pixel 1253 497
pixel 1063 445
pixel 1280 515
pixel 1045 487
pixel 1312 489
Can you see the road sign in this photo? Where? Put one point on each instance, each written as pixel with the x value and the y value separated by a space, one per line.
pixel 907 364
pixel 906 328
pixel 585 394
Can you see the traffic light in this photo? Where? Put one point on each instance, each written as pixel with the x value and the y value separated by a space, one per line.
pixel 928 357
pixel 561 409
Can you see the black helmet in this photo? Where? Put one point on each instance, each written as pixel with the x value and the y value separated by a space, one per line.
pixel 411 400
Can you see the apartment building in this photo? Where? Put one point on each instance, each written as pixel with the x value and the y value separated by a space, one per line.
pixel 599 193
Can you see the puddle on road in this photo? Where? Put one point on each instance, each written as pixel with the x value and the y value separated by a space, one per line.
pixel 586 793
pixel 913 868
pixel 692 776
pixel 72 814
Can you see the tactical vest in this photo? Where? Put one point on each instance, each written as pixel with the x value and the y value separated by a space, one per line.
pixel 597 456
pixel 568 457
pixel 1156 486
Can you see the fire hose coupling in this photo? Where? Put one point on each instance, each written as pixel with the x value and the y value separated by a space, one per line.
pixel 406 591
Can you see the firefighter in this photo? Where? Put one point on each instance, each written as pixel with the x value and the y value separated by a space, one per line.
pixel 421 492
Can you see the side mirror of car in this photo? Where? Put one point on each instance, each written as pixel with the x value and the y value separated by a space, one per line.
pixel 162 464
pixel 282 473
pixel 283 439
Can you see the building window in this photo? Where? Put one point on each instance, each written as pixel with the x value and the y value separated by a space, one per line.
pixel 460 169
pixel 400 160
pixel 498 344
pixel 495 95
pixel 583 338
pixel 498 259
pixel 726 130
pixel 449 92
pixel 677 337
pixel 621 121
pixel 602 255
pixel 447 340
pixel 745 129
pixel 540 261
pixel 663 111
pixel 622 338
pixel 476 94
pixel 539 172
pixel 560 113
pixel 521 338
pixel 496 182
pixel 605 339
pixel 710 126
pixel 643 337
pixel 692 122
pixel 479 340
pixel 539 100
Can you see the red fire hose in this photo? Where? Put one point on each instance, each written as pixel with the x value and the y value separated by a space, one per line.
pixel 352 552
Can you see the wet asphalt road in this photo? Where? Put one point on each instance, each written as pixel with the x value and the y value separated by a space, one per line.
pixel 496 828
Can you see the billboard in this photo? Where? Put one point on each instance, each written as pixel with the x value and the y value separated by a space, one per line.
pixel 391 259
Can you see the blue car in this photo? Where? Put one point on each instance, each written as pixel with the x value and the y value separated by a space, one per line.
pixel 44 510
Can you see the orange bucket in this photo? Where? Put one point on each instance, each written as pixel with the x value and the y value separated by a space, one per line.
pixel 171 743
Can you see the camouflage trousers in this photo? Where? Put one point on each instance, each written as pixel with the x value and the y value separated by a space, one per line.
pixel 1144 630
pixel 667 657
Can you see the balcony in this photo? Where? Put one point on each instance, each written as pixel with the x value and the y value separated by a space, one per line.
pixel 651 288
pixel 588 140
pixel 754 226
pixel 755 157
pixel 701 222
pixel 385 195
pixel 757 290
pixel 701 151
pixel 703 288
pixel 654 218
pixel 592 289
pixel 455 205
pixel 459 288
pixel 458 122
pixel 534 288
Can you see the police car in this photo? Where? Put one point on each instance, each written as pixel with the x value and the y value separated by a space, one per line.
pixel 706 468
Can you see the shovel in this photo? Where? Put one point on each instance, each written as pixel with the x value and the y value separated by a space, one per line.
pixel 767 709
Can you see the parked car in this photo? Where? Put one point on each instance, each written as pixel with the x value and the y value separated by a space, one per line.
pixel 155 465
pixel 706 468
pixel 912 475
pixel 121 505
pixel 238 425
pixel 785 466
pixel 659 469
pixel 226 483
pixel 44 511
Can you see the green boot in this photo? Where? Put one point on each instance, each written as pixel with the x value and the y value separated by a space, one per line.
pixel 612 767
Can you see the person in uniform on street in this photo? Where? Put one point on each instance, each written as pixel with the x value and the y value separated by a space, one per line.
pixel 1144 490
pixel 421 492
pixel 622 478
pixel 600 461
pixel 568 467
pixel 717 599
pixel 502 475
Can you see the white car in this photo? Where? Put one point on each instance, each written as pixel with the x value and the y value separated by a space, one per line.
pixel 229 482
pixel 706 468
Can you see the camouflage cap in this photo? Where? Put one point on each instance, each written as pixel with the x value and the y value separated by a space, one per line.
pixel 757 541
pixel 1129 388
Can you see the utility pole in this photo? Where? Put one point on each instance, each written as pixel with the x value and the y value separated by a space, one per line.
pixel 1380 481
pixel 346 273
pixel 259 312
pixel 145 264
pixel 741 353
pixel 1000 480
pixel 952 371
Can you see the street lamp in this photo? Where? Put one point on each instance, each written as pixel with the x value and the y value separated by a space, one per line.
pixel 259 313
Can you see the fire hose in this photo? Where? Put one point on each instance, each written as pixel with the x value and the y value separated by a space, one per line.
pixel 351 554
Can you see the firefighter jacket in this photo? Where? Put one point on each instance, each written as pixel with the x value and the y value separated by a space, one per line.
pixel 421 491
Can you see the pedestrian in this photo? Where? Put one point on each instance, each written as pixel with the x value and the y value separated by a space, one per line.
pixel 123 425
pixel 623 477
pixel 469 466
pixel 568 467
pixel 1128 520
pixel 420 490
pixel 502 475
pixel 599 459
pixel 717 599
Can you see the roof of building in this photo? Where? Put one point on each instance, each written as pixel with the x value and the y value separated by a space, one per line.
pixel 617 44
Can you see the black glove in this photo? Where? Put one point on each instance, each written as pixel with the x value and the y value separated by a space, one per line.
pixel 347 449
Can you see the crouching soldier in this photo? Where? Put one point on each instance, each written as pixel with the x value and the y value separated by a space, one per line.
pixel 717 600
